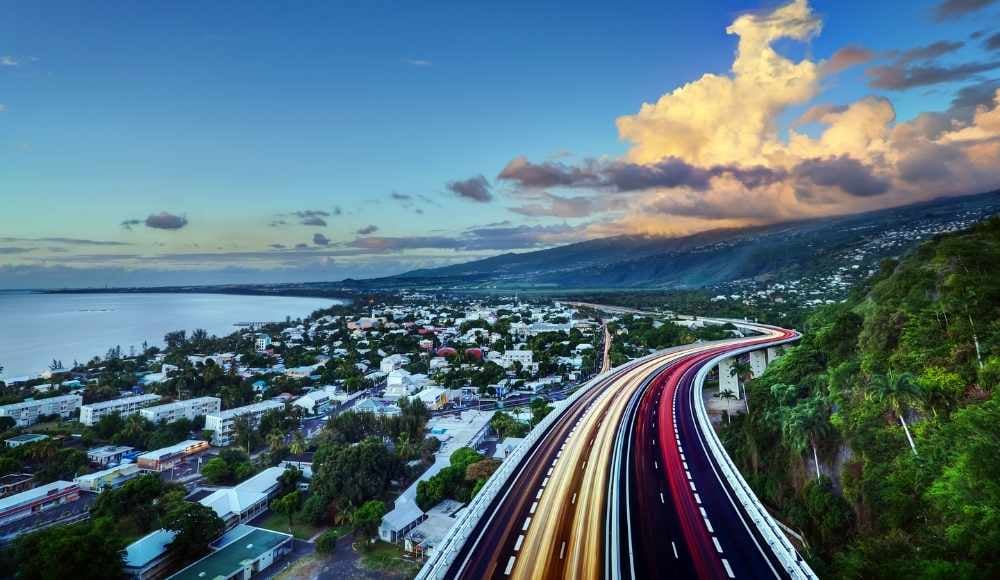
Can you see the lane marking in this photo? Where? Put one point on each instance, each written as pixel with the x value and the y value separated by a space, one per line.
pixel 729 569
pixel 687 473
pixel 517 544
pixel 708 525
pixel 703 514
pixel 716 542
pixel 539 494
pixel 527 522
pixel 573 501
pixel 676 556
pixel 534 506
pixel 661 498
pixel 697 498
pixel 562 550
pixel 656 464
pixel 545 482
pixel 510 566
pixel 549 472
pixel 693 488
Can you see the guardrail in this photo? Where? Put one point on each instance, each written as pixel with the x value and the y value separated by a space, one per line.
pixel 768 527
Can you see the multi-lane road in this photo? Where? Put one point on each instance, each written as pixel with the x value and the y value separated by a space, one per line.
pixel 621 484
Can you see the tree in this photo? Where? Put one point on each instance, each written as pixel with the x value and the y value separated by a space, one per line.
pixel 742 370
pixel 326 543
pixel 898 391
pixel 728 397
pixel 216 470
pixel 87 550
pixel 196 526
pixel 288 505
pixel 367 517
pixel 298 443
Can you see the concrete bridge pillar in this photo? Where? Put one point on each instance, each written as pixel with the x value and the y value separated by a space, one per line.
pixel 773 352
pixel 728 381
pixel 758 363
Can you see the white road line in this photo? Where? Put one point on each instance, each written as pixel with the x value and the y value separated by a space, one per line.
pixel 562 550
pixel 573 501
pixel 584 466
pixel 708 525
pixel 697 498
pixel 517 544
pixel 687 473
pixel 545 482
pixel 676 556
pixel 539 494
pixel 549 472
pixel 534 506
pixel 661 498
pixel 693 488
pixel 656 464
pixel 527 522
pixel 554 461
pixel 685 464
pixel 716 542
pixel 729 569
pixel 510 566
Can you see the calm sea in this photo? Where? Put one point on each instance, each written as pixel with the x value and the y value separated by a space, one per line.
pixel 36 328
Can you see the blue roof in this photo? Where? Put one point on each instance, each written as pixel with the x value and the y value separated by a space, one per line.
pixel 148 548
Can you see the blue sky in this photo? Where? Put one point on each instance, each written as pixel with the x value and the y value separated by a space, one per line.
pixel 232 117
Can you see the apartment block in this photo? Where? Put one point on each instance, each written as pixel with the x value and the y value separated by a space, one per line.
pixel 92 413
pixel 223 423
pixel 27 412
pixel 188 409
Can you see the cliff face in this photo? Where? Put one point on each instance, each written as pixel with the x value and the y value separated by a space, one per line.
pixel 896 389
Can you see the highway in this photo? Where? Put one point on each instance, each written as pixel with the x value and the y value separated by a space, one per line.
pixel 612 490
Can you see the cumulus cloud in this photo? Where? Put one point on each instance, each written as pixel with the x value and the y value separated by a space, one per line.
pixel 474 188
pixel 321 240
pixel 993 42
pixel 312 217
pixel 369 229
pixel 951 9
pixel 166 221
pixel 710 153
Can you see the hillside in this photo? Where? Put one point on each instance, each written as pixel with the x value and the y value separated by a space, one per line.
pixel 898 359
pixel 717 259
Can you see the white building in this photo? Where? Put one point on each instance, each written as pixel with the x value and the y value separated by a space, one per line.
pixel 188 409
pixel 91 414
pixel 167 457
pixel 525 357
pixel 107 479
pixel 393 362
pixel 27 412
pixel 246 501
pixel 223 423
pixel 108 454
pixel 261 342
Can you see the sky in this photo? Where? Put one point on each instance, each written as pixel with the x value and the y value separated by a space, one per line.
pixel 162 143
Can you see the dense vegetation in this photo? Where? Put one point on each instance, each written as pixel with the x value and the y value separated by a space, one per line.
pixel 895 391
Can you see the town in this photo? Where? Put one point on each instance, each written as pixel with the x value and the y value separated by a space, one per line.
pixel 368 425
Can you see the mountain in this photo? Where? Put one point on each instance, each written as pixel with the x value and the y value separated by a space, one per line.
pixel 717 258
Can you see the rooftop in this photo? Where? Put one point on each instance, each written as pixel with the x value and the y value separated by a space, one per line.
pixel 33 494
pixel 181 447
pixel 148 548
pixel 122 401
pixel 33 402
pixel 28 438
pixel 230 558
pixel 261 406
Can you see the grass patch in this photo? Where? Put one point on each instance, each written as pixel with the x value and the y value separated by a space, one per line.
pixel 300 528
pixel 388 558
pixel 306 567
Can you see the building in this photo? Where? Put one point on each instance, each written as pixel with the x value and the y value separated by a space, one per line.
pixel 525 357
pixel 24 439
pixel 188 409
pixel 261 342
pixel 108 454
pixel 314 402
pixel 168 457
pixel 377 407
pixel 16 483
pixel 223 423
pixel 38 499
pixel 27 412
pixel 434 398
pixel 239 554
pixel 303 462
pixel 123 407
pixel 108 478
pixel 393 362
pixel 148 557
pixel 246 501
pixel 422 539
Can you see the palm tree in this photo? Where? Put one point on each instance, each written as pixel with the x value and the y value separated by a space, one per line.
pixel 298 444
pixel 898 391
pixel 728 396
pixel 804 423
pixel 275 440
pixel 742 371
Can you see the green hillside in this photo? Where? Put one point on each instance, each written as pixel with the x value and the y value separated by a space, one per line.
pixel 900 354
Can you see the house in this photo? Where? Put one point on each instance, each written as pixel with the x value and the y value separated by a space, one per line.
pixel 148 557
pixel 168 457
pixel 24 439
pixel 246 501
pixel 15 483
pixel 377 407
pixel 423 538
pixel 38 499
pixel 393 362
pixel 107 454
pixel 28 412
pixel 92 413
pixel 261 342
pixel 241 553
pixel 110 478
pixel 434 398
pixel 223 423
